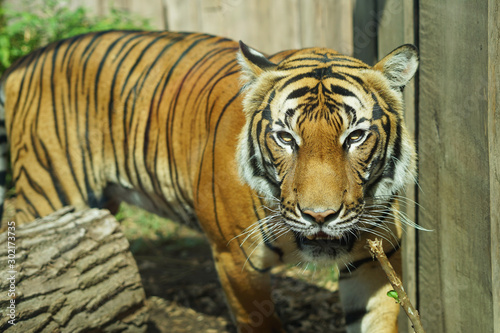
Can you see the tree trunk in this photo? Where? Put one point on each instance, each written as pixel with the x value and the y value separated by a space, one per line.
pixel 72 272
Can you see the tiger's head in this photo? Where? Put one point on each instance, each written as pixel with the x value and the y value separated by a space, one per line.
pixel 325 141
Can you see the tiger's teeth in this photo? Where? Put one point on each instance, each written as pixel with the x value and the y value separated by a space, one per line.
pixel 323 237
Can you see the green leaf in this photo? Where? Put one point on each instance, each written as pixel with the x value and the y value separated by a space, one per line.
pixel 393 294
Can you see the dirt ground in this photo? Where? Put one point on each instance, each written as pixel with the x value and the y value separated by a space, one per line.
pixel 184 295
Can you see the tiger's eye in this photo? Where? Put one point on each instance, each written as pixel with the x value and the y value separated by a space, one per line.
pixel 355 136
pixel 285 138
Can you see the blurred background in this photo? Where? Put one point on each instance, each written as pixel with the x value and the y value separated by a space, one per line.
pixel 348 26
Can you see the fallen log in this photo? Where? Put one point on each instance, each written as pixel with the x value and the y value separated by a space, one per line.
pixel 70 272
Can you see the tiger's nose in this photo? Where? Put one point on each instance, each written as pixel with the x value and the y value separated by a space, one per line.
pixel 320 217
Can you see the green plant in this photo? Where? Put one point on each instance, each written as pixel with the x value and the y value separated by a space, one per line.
pixel 147 232
pixel 24 31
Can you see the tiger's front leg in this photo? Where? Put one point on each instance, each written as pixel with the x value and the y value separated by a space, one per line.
pixel 247 288
pixel 364 297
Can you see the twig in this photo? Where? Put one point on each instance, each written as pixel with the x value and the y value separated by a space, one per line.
pixel 376 250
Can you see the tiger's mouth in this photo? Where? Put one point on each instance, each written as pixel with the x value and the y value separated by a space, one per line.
pixel 322 236
pixel 322 244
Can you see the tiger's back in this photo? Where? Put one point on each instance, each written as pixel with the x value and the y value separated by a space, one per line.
pixel 91 109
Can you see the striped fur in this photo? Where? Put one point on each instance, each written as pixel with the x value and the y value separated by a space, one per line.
pixel 294 158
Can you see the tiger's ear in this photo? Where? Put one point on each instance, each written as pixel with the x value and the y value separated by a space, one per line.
pixel 399 66
pixel 253 63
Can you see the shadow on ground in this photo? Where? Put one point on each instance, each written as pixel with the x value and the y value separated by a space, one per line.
pixel 184 294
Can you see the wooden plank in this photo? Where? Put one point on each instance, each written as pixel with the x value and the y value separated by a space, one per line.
pixel 494 147
pixel 261 24
pixel 454 266
pixel 154 12
pixel 284 27
pixel 365 31
pixel 228 19
pixel 272 26
pixel 391 32
pixel 327 24
pixel 184 15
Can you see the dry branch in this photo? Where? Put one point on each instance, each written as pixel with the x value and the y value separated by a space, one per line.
pixel 74 273
pixel 377 250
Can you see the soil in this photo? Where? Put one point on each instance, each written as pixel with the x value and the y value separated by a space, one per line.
pixel 184 295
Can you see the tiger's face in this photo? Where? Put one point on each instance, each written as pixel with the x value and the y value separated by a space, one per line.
pixel 325 142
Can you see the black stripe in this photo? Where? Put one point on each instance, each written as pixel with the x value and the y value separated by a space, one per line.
pixel 3 180
pixel 297 93
pixel 374 148
pixel 138 60
pixel 352 317
pixel 377 112
pixel 338 90
pixel 63 197
pixel 294 79
pixel 1 213
pixel 214 196
pixel 36 187
pixel 390 169
pixel 293 68
pixel 87 90
pixel 360 82
pixel 53 91
pixel 68 55
pixel 32 210
pixel 260 270
pixel 324 58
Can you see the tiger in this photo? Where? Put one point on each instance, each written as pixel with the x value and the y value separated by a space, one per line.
pixel 292 158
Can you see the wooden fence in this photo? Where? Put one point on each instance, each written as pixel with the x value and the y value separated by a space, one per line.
pixel 453 109
pixel 453 272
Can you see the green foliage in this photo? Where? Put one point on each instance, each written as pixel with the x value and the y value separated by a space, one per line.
pixel 48 20
pixel 148 233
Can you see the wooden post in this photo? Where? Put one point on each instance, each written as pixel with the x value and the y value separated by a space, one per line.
pixel 459 165
pixel 73 273
pixel 494 151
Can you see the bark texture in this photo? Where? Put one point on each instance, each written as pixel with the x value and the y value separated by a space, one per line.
pixel 73 273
